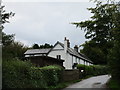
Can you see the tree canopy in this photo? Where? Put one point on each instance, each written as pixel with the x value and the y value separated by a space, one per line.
pixel 12 48
pixel 99 30
pixel 4 17
pixel 35 46
pixel 46 45
pixel 103 30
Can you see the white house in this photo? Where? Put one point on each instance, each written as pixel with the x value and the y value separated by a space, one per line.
pixel 62 51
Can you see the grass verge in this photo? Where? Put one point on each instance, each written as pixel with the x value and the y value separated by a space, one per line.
pixel 113 84
pixel 63 85
pixel 66 84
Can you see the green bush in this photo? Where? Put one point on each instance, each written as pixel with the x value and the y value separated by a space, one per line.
pixel 52 74
pixel 92 70
pixel 15 73
pixel 22 74
pixel 113 84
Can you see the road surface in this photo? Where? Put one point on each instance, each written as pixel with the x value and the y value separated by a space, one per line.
pixel 93 82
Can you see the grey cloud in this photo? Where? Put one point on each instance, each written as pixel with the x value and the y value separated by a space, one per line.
pixel 47 22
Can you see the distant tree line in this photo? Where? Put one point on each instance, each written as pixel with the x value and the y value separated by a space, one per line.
pixel 46 45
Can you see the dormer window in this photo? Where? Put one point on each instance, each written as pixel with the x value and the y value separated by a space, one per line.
pixel 58 56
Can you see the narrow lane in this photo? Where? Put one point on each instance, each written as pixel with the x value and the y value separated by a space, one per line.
pixel 93 82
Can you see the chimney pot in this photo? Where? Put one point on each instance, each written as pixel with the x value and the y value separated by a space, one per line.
pixel 76 48
pixel 68 43
pixel 65 38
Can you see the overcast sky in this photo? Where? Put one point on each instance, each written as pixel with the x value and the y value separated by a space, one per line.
pixel 47 22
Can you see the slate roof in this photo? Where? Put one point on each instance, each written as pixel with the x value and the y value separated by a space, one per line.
pixel 37 51
pixel 77 54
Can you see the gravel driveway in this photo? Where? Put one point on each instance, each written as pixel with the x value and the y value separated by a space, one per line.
pixel 93 82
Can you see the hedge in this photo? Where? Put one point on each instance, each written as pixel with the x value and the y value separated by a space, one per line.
pixel 22 74
pixel 92 70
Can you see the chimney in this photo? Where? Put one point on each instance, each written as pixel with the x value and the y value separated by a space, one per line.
pixel 66 44
pixel 76 48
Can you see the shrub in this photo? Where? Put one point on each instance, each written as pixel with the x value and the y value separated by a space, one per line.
pixel 113 84
pixel 93 69
pixel 15 73
pixel 52 74
pixel 22 74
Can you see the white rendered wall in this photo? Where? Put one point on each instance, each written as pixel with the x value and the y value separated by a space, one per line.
pixel 58 46
pixel 74 60
pixel 68 62
pixel 57 50
pixel 81 61
pixel 78 60
pixel 69 59
pixel 65 56
pixel 88 64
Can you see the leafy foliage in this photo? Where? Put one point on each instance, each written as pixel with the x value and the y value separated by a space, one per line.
pixel 95 52
pixel 35 46
pixel 7 39
pixel 52 74
pixel 4 17
pixel 22 74
pixel 46 46
pixel 113 84
pixel 92 70
pixel 11 48
pixel 101 31
pixel 101 23
pixel 114 60
pixel 15 73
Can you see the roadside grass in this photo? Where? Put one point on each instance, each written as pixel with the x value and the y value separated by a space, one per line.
pixel 66 84
pixel 113 84
pixel 63 85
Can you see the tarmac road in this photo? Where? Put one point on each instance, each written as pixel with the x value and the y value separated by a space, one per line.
pixel 93 82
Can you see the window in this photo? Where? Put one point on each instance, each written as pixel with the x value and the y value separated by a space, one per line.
pixel 58 56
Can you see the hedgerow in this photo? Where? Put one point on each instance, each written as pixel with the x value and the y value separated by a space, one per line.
pixel 92 70
pixel 22 74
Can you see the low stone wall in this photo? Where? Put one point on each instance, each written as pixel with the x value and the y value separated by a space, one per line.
pixel 69 75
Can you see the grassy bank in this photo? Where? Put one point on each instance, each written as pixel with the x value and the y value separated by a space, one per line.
pixel 113 84
pixel 63 85
pixel 66 84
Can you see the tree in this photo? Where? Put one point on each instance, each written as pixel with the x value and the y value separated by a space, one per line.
pixel 11 48
pixel 100 28
pixel 104 29
pixel 4 17
pixel 93 52
pixel 46 46
pixel 35 46
pixel 114 53
pixel 7 39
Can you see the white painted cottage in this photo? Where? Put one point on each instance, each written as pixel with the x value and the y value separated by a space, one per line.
pixel 64 52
